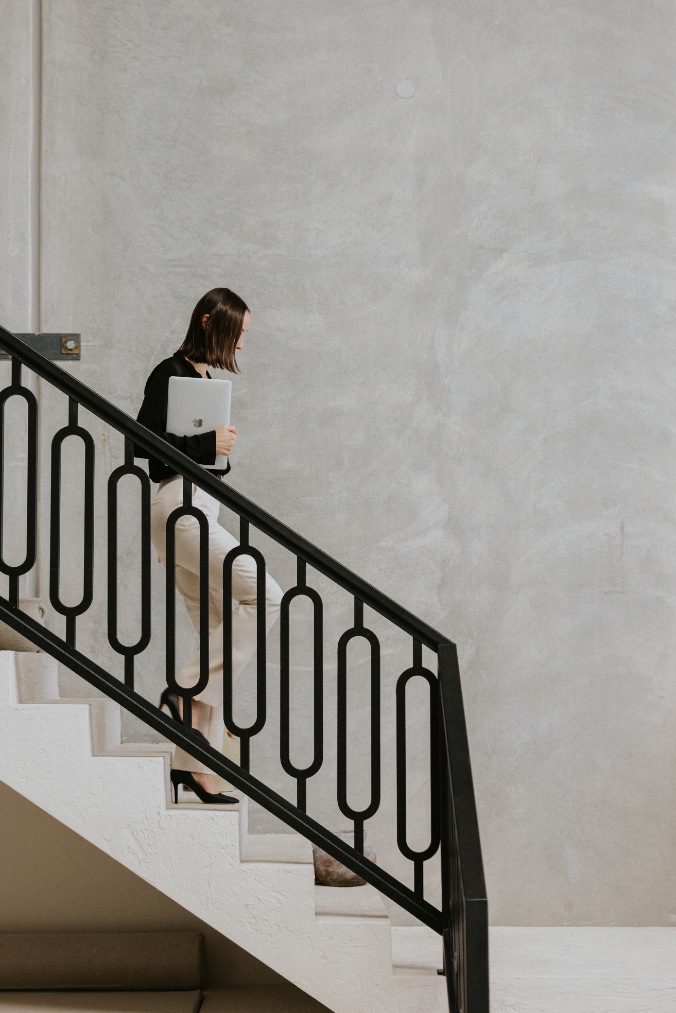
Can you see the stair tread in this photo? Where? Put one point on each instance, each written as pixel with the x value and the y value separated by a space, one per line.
pixel 198 806
pixel 140 749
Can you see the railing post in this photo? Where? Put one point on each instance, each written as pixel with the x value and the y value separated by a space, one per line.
pixel 128 651
pixel 465 910
pixel 422 855
pixel 14 572
pixel 71 612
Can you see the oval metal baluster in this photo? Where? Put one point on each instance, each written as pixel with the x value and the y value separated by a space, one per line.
pixel 302 773
pixel 358 816
pixel 71 612
pixel 244 734
pixel 128 651
pixel 418 857
pixel 187 510
pixel 14 572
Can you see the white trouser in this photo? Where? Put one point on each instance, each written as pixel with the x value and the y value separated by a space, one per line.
pixel 244 623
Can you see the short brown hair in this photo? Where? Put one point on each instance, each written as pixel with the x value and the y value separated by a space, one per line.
pixel 216 342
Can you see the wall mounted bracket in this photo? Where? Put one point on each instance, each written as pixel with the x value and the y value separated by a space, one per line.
pixel 52 346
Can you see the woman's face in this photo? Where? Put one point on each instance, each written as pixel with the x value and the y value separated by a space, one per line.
pixel 245 328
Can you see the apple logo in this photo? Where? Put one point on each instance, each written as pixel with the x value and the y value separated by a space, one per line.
pixel 197 423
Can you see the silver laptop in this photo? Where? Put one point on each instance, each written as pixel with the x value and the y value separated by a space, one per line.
pixel 196 406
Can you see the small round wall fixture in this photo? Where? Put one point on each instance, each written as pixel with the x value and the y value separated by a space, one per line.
pixel 406 89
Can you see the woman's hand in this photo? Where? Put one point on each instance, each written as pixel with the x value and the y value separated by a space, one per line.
pixel 225 440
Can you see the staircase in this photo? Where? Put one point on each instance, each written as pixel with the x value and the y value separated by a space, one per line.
pixel 66 756
pixel 337 945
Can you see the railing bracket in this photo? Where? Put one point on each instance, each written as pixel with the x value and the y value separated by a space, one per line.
pixel 51 346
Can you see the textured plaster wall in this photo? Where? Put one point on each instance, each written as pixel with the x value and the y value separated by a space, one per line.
pixel 460 372
pixel 19 269
pixel 18 100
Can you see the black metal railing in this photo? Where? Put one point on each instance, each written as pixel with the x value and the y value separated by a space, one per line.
pixel 453 837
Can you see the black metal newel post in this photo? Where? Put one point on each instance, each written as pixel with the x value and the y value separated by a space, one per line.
pixel 466 906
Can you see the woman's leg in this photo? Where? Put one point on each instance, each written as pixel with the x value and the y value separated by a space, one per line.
pixel 244 627
pixel 244 622
pixel 188 584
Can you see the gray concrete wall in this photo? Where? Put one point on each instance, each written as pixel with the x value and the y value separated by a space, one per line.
pixel 459 373
pixel 19 228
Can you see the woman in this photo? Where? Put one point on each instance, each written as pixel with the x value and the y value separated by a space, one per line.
pixel 216 332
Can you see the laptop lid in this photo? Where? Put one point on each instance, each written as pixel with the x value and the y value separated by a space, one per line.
pixel 196 405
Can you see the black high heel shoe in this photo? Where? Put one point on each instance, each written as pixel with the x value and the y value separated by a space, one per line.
pixel 187 778
pixel 169 699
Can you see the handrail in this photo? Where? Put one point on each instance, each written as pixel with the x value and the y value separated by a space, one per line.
pixel 260 518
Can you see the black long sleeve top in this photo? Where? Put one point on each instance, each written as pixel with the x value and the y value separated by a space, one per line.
pixel 153 414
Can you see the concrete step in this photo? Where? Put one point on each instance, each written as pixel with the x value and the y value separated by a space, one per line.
pixel 275 847
pixel 102 1002
pixel 261 999
pixel 349 902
